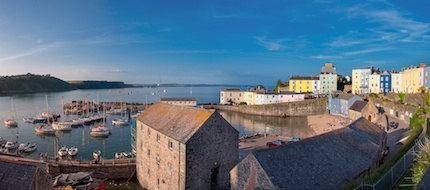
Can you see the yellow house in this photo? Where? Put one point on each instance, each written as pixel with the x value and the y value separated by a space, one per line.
pixel 304 84
pixel 412 78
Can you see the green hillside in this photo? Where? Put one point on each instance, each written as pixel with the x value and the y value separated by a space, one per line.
pixel 32 83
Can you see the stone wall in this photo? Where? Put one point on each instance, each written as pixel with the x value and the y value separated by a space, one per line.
pixel 111 171
pixel 401 111
pixel 302 108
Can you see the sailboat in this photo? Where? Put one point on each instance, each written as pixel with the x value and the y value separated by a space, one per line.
pixel 100 130
pixel 45 128
pixel 62 126
pixel 11 122
pixel 123 120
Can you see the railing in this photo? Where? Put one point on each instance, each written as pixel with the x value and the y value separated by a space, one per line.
pixel 87 163
pixel 390 179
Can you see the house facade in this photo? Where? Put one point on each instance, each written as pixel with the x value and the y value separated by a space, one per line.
pixel 397 82
pixel 374 83
pixel 181 147
pixel 328 79
pixel 360 80
pixel 314 163
pixel 299 84
pixel 231 96
pixel 290 97
pixel 385 82
pixel 339 104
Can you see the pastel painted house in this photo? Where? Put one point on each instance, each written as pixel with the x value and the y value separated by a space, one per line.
pixel 339 104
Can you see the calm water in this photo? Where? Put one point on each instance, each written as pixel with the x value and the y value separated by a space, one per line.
pixel 29 105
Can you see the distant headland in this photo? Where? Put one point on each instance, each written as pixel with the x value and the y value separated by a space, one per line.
pixel 30 83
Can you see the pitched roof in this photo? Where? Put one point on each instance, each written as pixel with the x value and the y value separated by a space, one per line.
pixel 358 105
pixel 345 96
pixel 304 78
pixel 177 122
pixel 327 160
pixel 16 175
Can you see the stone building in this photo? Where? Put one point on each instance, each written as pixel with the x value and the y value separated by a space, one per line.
pixel 21 175
pixel 181 147
pixel 180 101
pixel 363 109
pixel 326 161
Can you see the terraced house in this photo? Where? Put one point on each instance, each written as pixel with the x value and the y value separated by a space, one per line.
pixel 303 84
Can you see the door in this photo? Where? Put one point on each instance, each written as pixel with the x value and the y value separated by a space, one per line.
pixel 214 177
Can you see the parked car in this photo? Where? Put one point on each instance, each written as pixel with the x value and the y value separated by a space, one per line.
pixel 294 139
pixel 275 143
pixel 394 125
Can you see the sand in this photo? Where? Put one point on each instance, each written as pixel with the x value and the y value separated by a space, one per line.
pixel 324 123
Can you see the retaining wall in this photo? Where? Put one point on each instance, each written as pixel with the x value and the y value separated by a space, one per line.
pixel 302 108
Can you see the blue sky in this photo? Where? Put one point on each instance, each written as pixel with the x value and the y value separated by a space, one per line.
pixel 213 42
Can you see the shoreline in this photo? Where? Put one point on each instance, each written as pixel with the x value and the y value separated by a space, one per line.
pixel 324 123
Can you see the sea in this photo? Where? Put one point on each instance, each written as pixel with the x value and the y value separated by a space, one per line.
pixel 19 106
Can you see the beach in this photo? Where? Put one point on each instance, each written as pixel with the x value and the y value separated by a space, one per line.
pixel 324 123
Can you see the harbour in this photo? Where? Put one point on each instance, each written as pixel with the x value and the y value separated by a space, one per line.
pixel 29 105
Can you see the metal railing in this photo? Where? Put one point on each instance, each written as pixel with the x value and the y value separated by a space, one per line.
pixel 390 179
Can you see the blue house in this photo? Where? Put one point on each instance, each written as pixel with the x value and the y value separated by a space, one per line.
pixel 339 104
pixel 385 82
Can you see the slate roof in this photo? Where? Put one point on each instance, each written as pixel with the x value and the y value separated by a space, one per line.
pixel 305 78
pixel 326 161
pixel 345 96
pixel 17 175
pixel 328 69
pixel 177 122
pixel 358 105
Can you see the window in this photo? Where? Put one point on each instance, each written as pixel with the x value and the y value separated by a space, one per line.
pixel 158 181
pixel 149 132
pixel 169 169
pixel 170 144
pixel 149 152
pixel 158 159
pixel 141 127
pixel 158 137
pixel 149 172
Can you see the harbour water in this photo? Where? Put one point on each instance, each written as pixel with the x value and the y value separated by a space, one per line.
pixel 29 105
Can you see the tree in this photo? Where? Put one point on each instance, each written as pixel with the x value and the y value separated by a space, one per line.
pixel 402 97
pixel 260 86
pixel 422 89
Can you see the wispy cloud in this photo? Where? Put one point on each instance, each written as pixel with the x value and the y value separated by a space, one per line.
pixel 33 51
pixel 271 44
pixel 226 15
pixel 371 50
pixel 327 57
pixel 190 51
pixel 166 29
pixel 373 62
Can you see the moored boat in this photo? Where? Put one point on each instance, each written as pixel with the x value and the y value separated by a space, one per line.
pixel 120 121
pixel 119 155
pixel 73 151
pixel 96 154
pixel 31 147
pixel 44 129
pixel 63 151
pixel 23 146
pixel 11 145
pixel 10 123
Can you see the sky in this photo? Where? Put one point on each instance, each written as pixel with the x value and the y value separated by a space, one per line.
pixel 209 42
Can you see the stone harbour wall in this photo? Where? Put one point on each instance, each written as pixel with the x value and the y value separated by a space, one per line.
pixel 302 108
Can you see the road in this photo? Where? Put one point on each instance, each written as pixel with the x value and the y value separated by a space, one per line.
pixel 393 135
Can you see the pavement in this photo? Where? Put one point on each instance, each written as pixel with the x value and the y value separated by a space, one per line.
pixel 393 135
